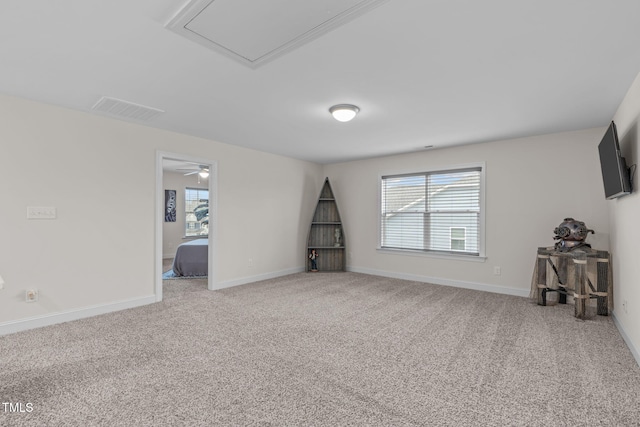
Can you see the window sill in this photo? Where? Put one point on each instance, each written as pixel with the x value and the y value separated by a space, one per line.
pixel 440 255
pixel 204 236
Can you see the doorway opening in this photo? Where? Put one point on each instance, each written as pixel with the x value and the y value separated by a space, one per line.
pixel 190 220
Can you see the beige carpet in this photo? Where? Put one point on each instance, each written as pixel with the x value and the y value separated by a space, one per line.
pixel 324 350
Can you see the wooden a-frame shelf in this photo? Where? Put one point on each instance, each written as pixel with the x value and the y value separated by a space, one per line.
pixel 326 234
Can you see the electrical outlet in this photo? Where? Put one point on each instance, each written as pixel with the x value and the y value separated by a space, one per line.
pixel 250 262
pixel 1 282
pixel 624 306
pixel 31 295
pixel 497 271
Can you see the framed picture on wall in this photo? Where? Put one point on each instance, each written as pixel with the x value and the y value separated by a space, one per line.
pixel 170 205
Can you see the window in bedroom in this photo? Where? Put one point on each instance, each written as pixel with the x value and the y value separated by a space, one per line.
pixel 196 211
pixel 433 212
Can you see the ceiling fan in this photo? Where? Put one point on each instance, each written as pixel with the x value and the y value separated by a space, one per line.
pixel 202 171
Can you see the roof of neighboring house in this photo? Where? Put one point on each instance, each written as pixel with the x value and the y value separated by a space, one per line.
pixel 412 197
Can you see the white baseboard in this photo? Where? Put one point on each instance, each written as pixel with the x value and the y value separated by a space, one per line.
pixel 257 278
pixel 67 316
pixel 446 282
pixel 14 326
pixel 634 350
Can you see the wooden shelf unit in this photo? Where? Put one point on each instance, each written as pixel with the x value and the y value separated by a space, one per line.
pixel 322 233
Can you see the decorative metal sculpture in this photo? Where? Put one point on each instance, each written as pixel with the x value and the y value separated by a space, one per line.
pixel 571 234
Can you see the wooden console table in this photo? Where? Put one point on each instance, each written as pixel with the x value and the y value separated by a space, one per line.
pixel 574 273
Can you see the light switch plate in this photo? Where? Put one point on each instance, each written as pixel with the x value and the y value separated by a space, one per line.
pixel 41 212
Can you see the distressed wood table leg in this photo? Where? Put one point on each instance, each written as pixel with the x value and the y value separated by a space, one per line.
pixel 602 285
pixel 580 293
pixel 563 279
pixel 542 279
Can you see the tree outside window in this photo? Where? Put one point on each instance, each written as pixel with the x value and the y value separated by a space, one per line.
pixel 196 212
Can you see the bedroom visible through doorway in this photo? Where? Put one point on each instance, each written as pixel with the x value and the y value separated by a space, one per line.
pixel 186 220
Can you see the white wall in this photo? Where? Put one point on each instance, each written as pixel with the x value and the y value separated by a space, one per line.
pixel 625 233
pixel 532 184
pixel 100 175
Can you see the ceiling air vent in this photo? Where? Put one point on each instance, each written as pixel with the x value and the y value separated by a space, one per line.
pixel 254 32
pixel 125 109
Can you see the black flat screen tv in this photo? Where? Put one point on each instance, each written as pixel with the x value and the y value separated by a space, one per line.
pixel 615 174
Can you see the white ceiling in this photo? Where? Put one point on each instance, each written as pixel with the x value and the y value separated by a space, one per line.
pixel 423 72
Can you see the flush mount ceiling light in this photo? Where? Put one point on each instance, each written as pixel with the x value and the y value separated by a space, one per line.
pixel 344 112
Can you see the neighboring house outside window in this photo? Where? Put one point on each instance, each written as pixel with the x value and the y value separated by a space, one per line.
pixel 196 211
pixel 457 238
pixel 432 211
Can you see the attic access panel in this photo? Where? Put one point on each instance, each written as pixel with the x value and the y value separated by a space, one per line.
pixel 256 31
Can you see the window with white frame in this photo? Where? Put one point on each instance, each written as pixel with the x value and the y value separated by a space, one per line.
pixel 196 212
pixel 438 211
